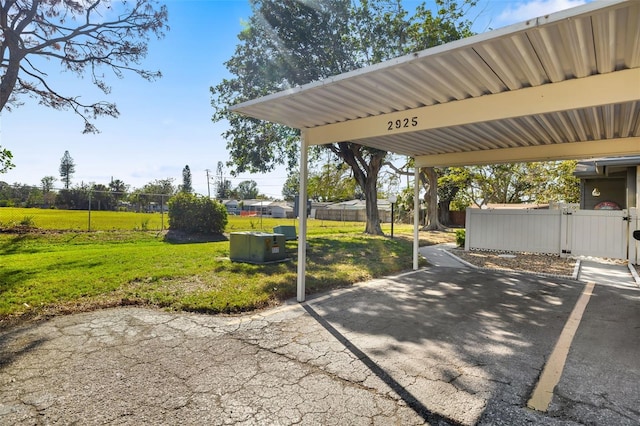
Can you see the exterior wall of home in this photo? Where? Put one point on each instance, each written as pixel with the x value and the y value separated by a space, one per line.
pixel 611 189
pixel 280 212
pixel 632 189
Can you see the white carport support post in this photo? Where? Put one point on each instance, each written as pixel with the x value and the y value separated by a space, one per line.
pixel 302 215
pixel 416 216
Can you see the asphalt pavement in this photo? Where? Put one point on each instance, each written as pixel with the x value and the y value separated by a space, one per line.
pixel 443 345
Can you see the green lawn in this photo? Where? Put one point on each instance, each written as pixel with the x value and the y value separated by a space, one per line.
pixel 49 272
pixel 81 220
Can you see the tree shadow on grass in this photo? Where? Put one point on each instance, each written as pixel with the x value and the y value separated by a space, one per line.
pixel 179 237
pixel 14 245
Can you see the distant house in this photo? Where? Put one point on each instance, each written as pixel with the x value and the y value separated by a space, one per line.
pixel 232 206
pixel 608 183
pixel 350 211
pixel 254 207
pixel 280 210
pixel 154 207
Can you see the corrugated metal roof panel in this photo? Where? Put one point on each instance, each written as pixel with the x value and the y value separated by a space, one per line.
pixel 600 37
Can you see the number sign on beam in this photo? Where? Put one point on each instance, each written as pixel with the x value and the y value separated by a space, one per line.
pixel 596 90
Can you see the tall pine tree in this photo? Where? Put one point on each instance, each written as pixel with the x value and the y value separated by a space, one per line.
pixel 186 180
pixel 67 169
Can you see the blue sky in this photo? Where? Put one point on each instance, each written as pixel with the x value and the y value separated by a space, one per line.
pixel 166 124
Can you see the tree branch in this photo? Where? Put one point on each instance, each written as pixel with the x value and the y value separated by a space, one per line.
pixel 38 28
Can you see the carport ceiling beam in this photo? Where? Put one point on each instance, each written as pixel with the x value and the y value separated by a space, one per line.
pixel 601 89
pixel 561 151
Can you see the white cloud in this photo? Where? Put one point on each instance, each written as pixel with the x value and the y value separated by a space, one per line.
pixel 521 11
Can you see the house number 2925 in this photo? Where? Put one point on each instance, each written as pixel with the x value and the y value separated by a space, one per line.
pixel 402 123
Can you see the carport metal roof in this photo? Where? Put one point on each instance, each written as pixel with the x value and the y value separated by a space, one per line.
pixel 561 86
pixel 514 94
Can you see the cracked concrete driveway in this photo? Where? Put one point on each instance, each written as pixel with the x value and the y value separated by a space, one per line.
pixel 438 346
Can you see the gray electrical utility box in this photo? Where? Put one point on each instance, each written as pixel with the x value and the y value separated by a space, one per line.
pixel 257 247
pixel 288 231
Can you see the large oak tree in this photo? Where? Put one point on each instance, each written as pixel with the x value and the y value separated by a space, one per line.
pixel 288 43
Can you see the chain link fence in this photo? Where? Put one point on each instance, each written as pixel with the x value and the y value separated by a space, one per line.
pixel 81 209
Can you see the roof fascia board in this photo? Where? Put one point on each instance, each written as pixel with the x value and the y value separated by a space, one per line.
pixel 600 89
pixel 563 151
pixel 572 13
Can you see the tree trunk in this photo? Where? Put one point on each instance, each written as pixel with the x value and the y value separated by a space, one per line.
pixel 433 224
pixel 12 41
pixel 373 217
pixel 365 164
pixel 11 72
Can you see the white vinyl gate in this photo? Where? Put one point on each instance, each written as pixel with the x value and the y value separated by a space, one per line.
pixel 598 233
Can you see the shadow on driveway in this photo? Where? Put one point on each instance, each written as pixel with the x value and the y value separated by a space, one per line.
pixel 455 341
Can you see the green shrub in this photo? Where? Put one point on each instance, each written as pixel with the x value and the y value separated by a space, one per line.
pixel 193 214
pixel 460 237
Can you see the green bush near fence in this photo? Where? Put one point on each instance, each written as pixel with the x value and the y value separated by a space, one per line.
pixel 193 214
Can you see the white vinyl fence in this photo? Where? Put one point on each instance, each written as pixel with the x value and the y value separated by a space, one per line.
pixel 600 233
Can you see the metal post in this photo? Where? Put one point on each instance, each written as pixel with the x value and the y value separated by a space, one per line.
pixel 392 199
pixel 302 216
pixel 89 224
pixel 208 188
pixel 162 212
pixel 416 216
pixel 392 220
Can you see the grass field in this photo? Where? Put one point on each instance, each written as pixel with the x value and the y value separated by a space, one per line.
pixel 80 220
pixel 50 272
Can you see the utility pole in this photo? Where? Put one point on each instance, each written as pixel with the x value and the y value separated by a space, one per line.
pixel 208 189
pixel 220 181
